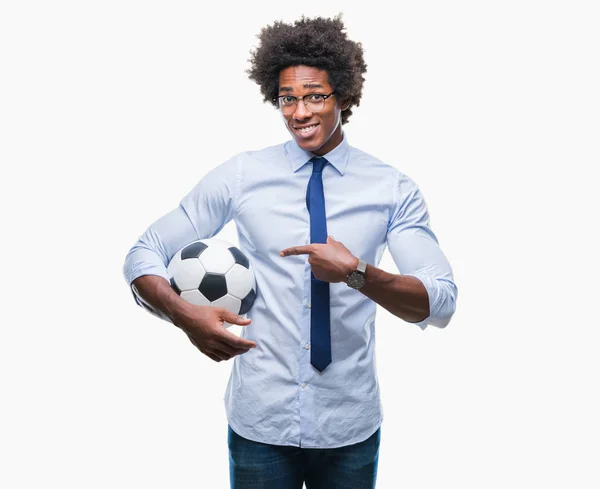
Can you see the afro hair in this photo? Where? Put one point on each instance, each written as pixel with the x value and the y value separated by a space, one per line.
pixel 319 43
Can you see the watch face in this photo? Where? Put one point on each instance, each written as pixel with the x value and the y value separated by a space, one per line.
pixel 356 280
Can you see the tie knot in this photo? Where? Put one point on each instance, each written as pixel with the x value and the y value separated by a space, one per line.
pixel 318 163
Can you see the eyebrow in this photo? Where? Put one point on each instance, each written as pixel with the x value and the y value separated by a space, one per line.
pixel 306 85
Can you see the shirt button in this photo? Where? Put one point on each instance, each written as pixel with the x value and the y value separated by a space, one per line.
pixel 307 346
pixel 304 386
pixel 308 305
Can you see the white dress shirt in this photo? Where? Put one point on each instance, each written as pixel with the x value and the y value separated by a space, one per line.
pixel 274 394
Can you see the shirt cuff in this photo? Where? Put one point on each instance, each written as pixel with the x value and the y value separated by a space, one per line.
pixel 431 289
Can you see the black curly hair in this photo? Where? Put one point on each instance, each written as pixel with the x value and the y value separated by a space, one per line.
pixel 319 43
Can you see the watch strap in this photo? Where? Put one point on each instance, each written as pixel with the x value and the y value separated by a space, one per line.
pixel 361 267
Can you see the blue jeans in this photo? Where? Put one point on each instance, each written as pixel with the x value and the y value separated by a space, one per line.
pixel 254 465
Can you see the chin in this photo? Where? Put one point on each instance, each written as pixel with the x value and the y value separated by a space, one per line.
pixel 309 145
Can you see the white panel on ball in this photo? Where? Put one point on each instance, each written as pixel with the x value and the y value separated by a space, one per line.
pixel 215 260
pixel 229 302
pixel 239 281
pixel 187 273
pixel 195 297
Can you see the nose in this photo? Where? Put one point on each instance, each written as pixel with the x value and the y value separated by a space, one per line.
pixel 301 111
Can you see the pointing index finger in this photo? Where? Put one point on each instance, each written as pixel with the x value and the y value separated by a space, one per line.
pixel 297 250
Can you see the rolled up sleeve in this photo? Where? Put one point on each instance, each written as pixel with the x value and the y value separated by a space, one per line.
pixel 201 214
pixel 415 250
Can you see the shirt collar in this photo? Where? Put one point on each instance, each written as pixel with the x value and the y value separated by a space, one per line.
pixel 338 156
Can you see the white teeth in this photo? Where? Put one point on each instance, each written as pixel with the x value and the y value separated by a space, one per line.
pixel 307 129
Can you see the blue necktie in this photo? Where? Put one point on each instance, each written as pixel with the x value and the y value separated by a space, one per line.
pixel 320 340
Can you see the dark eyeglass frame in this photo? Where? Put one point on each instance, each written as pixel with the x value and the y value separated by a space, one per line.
pixel 277 100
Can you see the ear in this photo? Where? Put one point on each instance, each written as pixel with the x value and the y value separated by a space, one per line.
pixel 345 105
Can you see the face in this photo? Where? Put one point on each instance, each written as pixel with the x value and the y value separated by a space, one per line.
pixel 326 132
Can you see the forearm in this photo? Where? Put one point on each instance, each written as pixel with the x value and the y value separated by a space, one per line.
pixel 402 295
pixel 156 292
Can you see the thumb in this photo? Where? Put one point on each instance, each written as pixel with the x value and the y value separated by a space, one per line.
pixel 235 319
pixel 330 238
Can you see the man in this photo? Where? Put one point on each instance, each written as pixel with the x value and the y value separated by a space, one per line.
pixel 314 216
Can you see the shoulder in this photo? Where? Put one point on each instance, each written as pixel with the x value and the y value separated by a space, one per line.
pixel 252 160
pixel 267 153
pixel 395 184
pixel 384 169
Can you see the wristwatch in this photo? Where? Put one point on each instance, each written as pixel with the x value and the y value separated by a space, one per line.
pixel 357 278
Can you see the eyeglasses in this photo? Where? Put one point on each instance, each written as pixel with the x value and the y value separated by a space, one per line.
pixel 314 102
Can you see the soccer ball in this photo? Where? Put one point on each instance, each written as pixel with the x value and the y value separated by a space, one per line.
pixel 213 272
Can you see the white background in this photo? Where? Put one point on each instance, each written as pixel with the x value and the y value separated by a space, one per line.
pixel 111 111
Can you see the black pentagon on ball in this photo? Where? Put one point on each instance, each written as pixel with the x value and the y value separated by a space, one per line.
pixel 193 250
pixel 239 257
pixel 174 286
pixel 247 302
pixel 213 286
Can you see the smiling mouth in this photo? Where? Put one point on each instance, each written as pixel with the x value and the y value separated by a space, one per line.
pixel 306 132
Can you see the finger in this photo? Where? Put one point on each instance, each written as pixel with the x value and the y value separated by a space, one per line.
pixel 231 350
pixel 212 357
pixel 193 341
pixel 231 338
pixel 239 352
pixel 237 342
pixel 208 354
pixel 231 318
pixel 297 250
pixel 226 352
pixel 223 355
